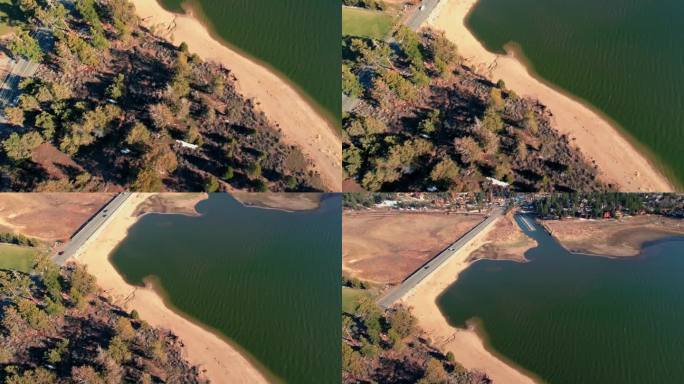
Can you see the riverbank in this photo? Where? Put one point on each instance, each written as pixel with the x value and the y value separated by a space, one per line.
pixel 301 125
pixel 618 161
pixel 466 345
pixel 219 361
pixel 613 238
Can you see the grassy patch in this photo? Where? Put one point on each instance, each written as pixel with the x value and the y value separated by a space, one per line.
pixel 16 257
pixel 365 23
pixel 350 298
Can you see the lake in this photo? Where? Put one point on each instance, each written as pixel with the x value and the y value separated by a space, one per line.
pixel 579 319
pixel 299 38
pixel 268 280
pixel 624 57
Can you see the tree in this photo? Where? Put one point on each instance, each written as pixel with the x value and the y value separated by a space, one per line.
pixel 254 170
pixel 468 149
pixel 496 100
pixel 147 180
pixel 350 83
pixel 402 321
pixel 290 182
pixel 139 135
pixel 21 147
pixel 118 350
pixel 25 46
pixel 434 373
pixel 162 116
pixel 450 357
pixel 218 86
pixel 82 284
pixel 124 329
pixel 211 184
pixel 492 119
pixel 36 376
pixel 116 89
pixel 445 171
pixel 530 122
pixel 34 316
pixel 14 115
pixel 86 374
pixel 229 174
pixel 54 355
pixel 46 122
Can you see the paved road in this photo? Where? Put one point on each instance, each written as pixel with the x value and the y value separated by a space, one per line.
pixel 412 281
pixel 419 17
pixel 95 222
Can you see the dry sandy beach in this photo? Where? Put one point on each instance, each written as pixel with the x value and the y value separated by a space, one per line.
pixel 300 123
pixel 466 345
pixel 619 163
pixel 223 363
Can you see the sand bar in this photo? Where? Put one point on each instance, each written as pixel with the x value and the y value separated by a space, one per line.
pixel 301 124
pixel 223 363
pixel 613 238
pixel 619 162
pixel 467 347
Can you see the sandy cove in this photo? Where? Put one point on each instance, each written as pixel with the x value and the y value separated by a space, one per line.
pixel 619 162
pixel 301 124
pixel 223 363
pixel 466 345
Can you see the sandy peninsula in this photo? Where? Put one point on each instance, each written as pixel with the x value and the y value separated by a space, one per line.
pixel 506 241
pixel 301 124
pixel 289 202
pixel 467 347
pixel 220 362
pixel 619 162
pixel 613 238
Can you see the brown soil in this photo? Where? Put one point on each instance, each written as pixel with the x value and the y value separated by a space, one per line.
pixel 48 216
pixel 285 201
pixel 615 238
pixel 385 247
pixel 182 203
pixel 55 163
pixel 506 241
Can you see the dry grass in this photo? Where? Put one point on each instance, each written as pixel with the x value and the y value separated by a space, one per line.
pixel 48 216
pixel 386 247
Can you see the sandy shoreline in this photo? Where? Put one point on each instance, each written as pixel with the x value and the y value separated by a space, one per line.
pixel 221 362
pixel 301 124
pixel 466 345
pixel 619 162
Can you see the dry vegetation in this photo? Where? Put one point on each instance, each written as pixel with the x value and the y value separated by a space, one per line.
pixel 385 247
pixel 55 327
pixel 109 101
pixel 423 120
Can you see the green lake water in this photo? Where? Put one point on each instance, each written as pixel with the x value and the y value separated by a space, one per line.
pixel 299 38
pixel 579 319
pixel 625 57
pixel 268 280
